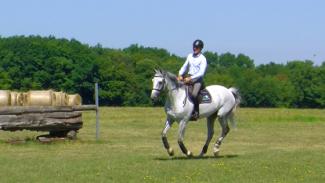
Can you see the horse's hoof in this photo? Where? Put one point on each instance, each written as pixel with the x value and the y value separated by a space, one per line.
pixel 170 151
pixel 201 155
pixel 216 151
pixel 189 154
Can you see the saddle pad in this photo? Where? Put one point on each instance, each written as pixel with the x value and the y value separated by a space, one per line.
pixel 204 96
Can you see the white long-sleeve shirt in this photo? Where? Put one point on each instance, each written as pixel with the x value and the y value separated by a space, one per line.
pixel 196 66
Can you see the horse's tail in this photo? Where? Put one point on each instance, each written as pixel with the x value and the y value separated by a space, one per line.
pixel 237 96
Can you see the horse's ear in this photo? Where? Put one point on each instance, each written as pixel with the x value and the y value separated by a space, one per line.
pixel 158 70
pixel 162 71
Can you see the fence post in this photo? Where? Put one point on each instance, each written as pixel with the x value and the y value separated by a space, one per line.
pixel 97 111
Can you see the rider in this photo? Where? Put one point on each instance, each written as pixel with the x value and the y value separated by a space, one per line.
pixel 195 65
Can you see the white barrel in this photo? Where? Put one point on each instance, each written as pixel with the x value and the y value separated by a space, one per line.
pixel 61 99
pixel 5 98
pixel 74 100
pixel 16 99
pixel 39 98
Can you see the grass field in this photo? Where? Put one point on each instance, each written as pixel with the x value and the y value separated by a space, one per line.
pixel 269 145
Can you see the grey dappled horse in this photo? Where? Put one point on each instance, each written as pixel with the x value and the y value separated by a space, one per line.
pixel 179 108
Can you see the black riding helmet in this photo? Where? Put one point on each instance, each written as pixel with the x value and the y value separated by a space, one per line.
pixel 198 44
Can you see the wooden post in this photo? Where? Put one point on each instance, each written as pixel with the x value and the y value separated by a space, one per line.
pixel 97 111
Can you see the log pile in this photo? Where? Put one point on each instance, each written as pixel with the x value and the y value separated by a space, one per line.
pixel 42 118
pixel 59 121
pixel 56 121
pixel 56 112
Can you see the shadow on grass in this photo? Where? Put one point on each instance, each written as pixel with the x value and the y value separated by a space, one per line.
pixel 16 140
pixel 196 157
pixel 34 140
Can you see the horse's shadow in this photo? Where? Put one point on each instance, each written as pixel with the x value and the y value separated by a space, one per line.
pixel 196 157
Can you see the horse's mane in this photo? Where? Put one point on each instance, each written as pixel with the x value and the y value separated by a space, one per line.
pixel 174 79
pixel 170 76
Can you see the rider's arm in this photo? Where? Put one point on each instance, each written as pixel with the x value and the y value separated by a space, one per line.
pixel 203 67
pixel 183 68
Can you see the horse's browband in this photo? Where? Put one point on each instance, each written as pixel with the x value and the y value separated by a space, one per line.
pixel 155 76
pixel 157 89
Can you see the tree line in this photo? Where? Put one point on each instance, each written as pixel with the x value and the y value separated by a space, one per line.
pixel 124 75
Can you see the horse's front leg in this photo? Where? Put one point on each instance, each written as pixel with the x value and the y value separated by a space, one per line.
pixel 181 133
pixel 168 124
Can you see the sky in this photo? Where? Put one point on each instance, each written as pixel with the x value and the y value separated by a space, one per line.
pixel 267 31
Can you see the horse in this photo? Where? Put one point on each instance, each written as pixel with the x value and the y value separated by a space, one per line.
pixel 179 107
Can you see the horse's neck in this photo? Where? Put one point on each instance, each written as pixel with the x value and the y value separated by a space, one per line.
pixel 176 96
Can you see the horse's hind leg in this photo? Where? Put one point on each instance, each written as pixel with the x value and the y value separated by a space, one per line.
pixel 168 124
pixel 224 131
pixel 210 127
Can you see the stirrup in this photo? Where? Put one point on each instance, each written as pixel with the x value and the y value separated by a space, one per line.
pixel 195 116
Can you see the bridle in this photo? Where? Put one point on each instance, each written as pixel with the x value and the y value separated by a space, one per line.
pixel 159 89
pixel 163 85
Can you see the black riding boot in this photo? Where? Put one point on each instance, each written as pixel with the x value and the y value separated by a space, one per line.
pixel 195 113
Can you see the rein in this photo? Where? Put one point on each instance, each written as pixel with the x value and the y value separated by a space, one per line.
pixel 160 89
pixel 186 96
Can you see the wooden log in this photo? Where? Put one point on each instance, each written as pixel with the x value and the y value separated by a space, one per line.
pixel 60 115
pixel 43 109
pixel 57 121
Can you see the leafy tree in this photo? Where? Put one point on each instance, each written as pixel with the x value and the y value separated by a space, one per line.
pixel 305 79
pixel 124 75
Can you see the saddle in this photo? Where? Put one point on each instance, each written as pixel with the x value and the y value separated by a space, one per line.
pixel 204 96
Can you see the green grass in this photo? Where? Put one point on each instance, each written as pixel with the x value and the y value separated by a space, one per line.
pixel 269 145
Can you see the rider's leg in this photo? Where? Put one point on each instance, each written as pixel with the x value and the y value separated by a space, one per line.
pixel 196 89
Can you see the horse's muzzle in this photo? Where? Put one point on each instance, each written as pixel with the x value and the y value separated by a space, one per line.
pixel 153 100
pixel 154 96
